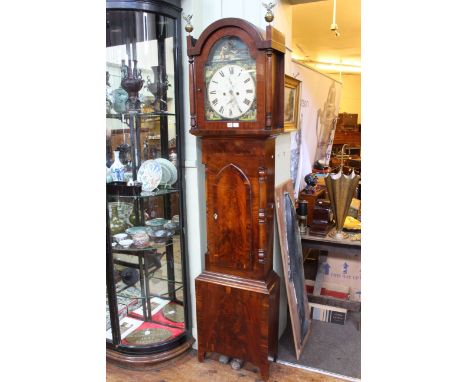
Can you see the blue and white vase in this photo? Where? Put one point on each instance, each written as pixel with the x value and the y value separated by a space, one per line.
pixel 117 168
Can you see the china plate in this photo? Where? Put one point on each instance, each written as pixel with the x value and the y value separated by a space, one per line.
pixel 170 168
pixel 173 173
pixel 166 172
pixel 149 174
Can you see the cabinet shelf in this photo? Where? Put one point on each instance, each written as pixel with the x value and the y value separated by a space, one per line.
pixel 139 115
pixel 143 195
pixel 121 292
pixel 140 251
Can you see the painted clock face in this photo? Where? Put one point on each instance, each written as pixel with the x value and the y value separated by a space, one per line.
pixel 230 82
pixel 231 91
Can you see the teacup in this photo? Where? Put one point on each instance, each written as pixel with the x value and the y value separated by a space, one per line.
pixel 126 243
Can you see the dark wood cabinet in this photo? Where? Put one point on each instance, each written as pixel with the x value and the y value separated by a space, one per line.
pixel 238 292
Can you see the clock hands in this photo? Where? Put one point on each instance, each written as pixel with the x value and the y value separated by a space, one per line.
pixel 231 92
pixel 233 96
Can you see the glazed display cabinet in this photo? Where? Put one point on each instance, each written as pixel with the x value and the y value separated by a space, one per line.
pixel 147 315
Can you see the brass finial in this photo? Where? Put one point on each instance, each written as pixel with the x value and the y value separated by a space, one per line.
pixel 188 26
pixel 269 16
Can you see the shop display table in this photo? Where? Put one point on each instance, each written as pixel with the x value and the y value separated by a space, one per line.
pixel 346 247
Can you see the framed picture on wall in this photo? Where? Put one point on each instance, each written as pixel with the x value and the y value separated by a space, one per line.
pixel 292 94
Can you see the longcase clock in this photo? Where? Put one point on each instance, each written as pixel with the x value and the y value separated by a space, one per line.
pixel 237 103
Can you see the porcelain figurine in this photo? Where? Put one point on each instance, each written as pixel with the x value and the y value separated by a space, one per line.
pixel 311 181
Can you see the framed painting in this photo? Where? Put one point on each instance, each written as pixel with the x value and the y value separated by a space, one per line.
pixel 292 259
pixel 292 94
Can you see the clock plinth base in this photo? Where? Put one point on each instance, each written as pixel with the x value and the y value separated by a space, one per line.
pixel 238 317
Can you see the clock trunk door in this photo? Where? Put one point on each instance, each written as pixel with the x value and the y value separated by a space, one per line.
pixel 230 219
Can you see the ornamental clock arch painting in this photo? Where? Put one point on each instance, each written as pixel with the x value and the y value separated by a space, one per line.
pixel 230 81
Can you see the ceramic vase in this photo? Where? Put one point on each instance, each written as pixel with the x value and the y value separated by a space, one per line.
pixel 120 98
pixel 117 168
pixel 117 225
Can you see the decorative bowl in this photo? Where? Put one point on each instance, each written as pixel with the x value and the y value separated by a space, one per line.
pixel 171 227
pixel 120 236
pixel 160 235
pixel 157 223
pixel 133 230
pixel 126 243
pixel 141 239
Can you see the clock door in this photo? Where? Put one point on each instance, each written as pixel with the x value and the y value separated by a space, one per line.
pixel 229 82
pixel 230 219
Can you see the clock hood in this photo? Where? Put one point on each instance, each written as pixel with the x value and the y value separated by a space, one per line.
pixel 270 38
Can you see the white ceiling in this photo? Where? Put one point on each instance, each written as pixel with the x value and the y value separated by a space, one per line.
pixel 313 41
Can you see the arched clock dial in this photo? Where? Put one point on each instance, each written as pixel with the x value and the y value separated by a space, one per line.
pixel 231 91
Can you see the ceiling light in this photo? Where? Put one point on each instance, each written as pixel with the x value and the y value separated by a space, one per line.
pixel 334 67
pixel 338 68
pixel 334 25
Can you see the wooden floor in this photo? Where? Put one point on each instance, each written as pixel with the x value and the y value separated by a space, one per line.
pixel 187 368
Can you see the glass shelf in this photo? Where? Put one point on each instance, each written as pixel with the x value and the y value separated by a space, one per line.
pixel 156 193
pixel 134 250
pixel 121 293
pixel 139 115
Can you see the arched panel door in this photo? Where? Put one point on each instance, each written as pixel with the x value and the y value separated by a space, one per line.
pixel 232 219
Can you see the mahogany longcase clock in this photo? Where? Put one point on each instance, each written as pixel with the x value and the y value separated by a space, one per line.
pixel 237 103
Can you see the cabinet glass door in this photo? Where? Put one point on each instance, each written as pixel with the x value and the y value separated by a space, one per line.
pixel 144 185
